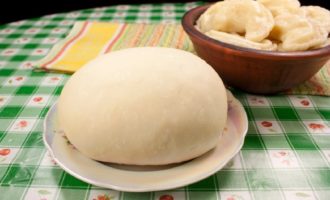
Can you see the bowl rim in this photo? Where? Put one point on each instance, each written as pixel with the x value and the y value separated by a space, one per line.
pixel 189 27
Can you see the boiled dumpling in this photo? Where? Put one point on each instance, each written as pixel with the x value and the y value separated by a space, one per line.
pixel 281 25
pixel 278 7
pixel 241 41
pixel 244 17
pixel 297 33
pixel 318 15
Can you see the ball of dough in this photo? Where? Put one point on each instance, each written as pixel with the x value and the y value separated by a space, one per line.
pixel 144 106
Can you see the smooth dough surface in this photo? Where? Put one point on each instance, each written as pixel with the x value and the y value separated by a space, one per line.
pixel 144 106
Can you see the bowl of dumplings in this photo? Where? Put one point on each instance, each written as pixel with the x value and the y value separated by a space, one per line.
pixel 262 46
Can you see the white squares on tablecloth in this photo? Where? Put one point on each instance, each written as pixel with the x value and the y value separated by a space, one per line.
pixel 144 14
pixel 301 101
pixel 7 154
pixel 48 160
pixel 167 195
pixel 66 22
pixel 40 51
pixel 98 9
pixel 235 195
pixel 317 127
pixel 38 100
pixel 168 7
pixel 299 195
pixel 15 80
pixel 23 125
pixel 2 64
pixel 9 52
pixel 22 40
pixel 122 7
pixel 103 194
pixel 7 31
pixel 58 30
pixel 283 159
pixel 73 15
pixel 145 7
pixel 40 193
pixel 32 31
pixel 50 16
pixel 168 14
pixel 96 15
pixel 189 6
pixel 50 40
pixel 26 65
pixel 18 23
pixel 234 163
pixel 42 22
pixel 52 80
pixel 257 101
pixel 120 14
pixel 268 127
pixel 4 99
pixel 326 154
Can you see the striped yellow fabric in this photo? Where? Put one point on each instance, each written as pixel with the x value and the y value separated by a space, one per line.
pixel 87 40
pixel 319 84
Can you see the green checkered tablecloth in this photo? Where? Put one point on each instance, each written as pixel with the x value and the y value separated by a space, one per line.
pixel 286 154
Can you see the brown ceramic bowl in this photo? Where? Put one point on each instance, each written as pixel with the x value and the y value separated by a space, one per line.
pixel 255 71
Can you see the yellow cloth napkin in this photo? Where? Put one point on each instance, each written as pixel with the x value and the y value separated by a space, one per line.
pixel 90 39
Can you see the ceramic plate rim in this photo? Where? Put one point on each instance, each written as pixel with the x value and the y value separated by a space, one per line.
pixel 201 176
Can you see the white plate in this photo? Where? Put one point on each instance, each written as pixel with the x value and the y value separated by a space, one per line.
pixel 143 179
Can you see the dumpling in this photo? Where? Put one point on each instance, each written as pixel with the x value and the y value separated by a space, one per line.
pixel 282 25
pixel 327 42
pixel 241 41
pixel 278 7
pixel 297 33
pixel 244 17
pixel 319 15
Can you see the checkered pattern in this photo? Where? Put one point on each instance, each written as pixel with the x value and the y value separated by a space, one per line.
pixel 286 154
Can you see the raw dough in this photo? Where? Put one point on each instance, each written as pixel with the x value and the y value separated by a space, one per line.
pixel 144 106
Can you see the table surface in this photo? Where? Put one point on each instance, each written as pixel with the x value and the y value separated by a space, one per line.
pixel 286 154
